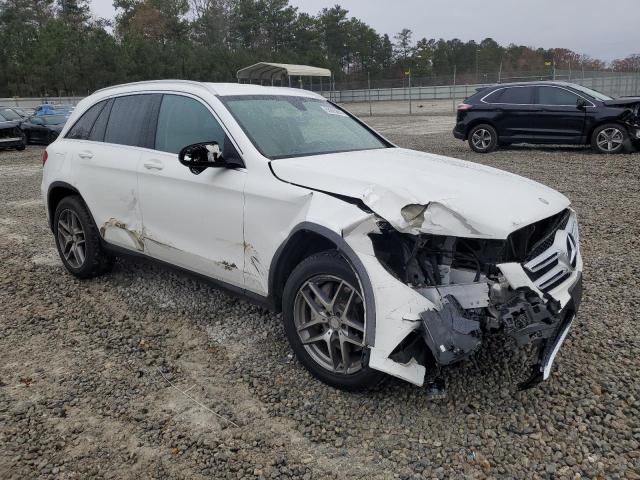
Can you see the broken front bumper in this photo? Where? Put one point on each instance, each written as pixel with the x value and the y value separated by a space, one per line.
pixel 550 346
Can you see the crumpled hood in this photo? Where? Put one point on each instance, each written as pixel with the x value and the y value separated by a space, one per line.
pixel 622 101
pixel 462 198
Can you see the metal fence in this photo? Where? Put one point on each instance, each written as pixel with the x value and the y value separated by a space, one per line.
pixel 32 102
pixel 421 89
pixel 616 85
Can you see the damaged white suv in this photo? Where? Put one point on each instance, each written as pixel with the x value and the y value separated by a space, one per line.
pixel 382 259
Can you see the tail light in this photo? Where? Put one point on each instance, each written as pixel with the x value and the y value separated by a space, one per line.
pixel 45 156
pixel 463 107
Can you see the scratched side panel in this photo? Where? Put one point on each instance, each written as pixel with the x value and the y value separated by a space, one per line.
pixel 108 183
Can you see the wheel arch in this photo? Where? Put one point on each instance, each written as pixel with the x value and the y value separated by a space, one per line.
pixel 56 192
pixel 306 239
pixel 600 123
pixel 479 121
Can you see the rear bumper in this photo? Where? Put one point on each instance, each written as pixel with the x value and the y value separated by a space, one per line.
pixel 459 134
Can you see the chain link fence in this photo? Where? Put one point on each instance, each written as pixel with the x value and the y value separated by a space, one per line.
pixel 421 95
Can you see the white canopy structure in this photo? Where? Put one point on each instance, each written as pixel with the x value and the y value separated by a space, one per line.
pixel 271 72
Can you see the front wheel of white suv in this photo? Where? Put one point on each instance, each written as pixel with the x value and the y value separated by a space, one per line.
pixel 324 319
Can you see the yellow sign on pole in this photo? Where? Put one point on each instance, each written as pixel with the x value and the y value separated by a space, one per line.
pixel 407 72
pixel 547 64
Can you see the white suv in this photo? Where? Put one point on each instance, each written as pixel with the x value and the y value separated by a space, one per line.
pixel 382 260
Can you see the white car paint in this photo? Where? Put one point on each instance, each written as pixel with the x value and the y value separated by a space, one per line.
pixel 229 224
pixel 389 179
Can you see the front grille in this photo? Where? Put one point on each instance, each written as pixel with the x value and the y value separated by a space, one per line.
pixel 551 260
pixel 549 237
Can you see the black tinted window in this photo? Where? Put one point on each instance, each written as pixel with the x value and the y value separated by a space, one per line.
pixel 512 95
pixel 129 120
pixel 184 121
pixel 100 125
pixel 82 128
pixel 556 96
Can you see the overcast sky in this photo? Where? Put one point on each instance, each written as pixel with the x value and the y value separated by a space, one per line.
pixel 581 25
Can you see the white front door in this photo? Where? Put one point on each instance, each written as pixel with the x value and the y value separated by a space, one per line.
pixel 192 221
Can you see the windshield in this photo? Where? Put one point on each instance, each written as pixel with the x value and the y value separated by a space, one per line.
pixel 9 114
pixel 592 93
pixel 282 126
pixel 53 119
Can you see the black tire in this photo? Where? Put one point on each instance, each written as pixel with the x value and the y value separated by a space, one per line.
pixel 617 143
pixel 332 264
pixel 27 138
pixel 51 137
pixel 96 261
pixel 489 141
pixel 23 145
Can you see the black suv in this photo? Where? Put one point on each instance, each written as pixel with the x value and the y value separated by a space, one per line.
pixel 548 113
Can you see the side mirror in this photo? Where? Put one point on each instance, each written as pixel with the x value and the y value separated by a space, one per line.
pixel 581 104
pixel 200 156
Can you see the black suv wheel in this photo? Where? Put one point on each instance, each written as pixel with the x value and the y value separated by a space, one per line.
pixel 483 138
pixel 324 320
pixel 609 138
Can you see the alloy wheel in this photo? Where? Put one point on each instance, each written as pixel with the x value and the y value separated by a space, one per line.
pixel 481 139
pixel 610 139
pixel 329 320
pixel 71 238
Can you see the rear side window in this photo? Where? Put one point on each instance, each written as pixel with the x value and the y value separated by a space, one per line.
pixel 100 125
pixel 82 128
pixel 512 96
pixel 184 121
pixel 556 96
pixel 129 120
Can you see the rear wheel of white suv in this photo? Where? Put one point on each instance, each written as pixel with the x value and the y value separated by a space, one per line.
pixel 324 318
pixel 78 240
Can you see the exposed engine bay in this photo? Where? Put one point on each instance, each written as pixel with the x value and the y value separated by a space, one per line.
pixel 630 115
pixel 464 277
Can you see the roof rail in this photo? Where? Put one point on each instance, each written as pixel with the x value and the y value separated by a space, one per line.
pixel 150 82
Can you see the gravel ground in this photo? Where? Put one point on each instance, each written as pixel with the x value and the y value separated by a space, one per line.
pixel 147 373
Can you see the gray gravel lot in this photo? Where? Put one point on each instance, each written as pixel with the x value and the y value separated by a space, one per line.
pixel 148 373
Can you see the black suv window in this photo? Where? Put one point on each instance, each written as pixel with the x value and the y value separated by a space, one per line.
pixel 511 95
pixel 183 121
pixel 556 96
pixel 82 128
pixel 129 120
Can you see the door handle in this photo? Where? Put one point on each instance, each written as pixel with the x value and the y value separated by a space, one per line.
pixel 153 165
pixel 86 154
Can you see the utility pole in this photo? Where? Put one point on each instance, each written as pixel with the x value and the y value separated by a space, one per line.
pixel 477 69
pixel 410 106
pixel 454 88
pixel 369 93
pixel 500 72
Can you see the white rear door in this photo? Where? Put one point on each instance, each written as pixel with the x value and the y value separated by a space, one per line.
pixel 106 158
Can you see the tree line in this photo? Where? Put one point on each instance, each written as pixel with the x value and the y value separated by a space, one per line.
pixel 56 47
